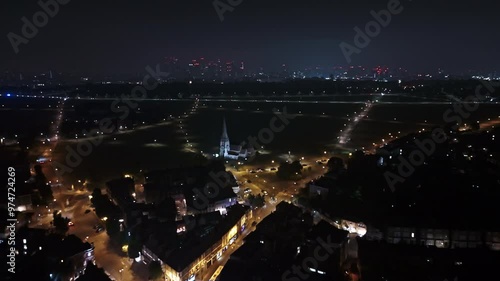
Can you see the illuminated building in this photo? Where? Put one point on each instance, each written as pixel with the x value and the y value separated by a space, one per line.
pixel 192 257
pixel 229 73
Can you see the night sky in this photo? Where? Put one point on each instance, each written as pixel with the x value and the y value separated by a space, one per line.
pixel 104 36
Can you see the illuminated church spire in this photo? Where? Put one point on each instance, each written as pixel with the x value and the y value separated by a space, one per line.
pixel 224 129
pixel 224 140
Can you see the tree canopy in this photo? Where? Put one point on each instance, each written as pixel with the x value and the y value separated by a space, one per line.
pixel 289 170
pixel 60 223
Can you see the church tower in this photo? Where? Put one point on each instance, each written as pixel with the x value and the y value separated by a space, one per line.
pixel 224 141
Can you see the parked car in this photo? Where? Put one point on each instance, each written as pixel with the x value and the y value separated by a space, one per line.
pixel 43 160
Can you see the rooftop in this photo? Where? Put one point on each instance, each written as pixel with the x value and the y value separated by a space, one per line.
pixel 192 247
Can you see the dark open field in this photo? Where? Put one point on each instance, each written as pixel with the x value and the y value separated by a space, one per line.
pixel 25 116
pixel 158 144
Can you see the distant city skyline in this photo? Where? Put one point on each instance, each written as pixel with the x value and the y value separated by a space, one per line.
pixel 108 38
pixel 218 70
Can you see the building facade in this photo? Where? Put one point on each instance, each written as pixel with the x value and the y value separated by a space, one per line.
pixel 443 238
pixel 201 263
